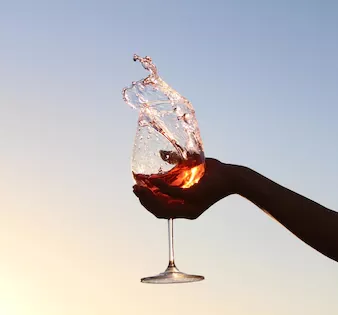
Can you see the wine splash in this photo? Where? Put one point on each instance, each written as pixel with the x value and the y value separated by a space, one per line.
pixel 168 142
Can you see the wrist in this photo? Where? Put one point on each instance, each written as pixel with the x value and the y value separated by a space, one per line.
pixel 238 179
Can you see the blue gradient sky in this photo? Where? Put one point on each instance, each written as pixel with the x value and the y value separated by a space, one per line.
pixel 263 78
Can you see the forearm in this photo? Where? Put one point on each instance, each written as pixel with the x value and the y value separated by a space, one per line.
pixel 314 224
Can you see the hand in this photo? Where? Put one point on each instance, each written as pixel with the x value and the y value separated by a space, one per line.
pixel 173 202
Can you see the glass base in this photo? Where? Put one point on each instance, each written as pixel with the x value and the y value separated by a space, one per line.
pixel 172 275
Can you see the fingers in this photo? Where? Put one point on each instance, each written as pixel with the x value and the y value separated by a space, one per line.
pixel 148 200
pixel 136 191
pixel 163 206
pixel 154 203
pixel 174 192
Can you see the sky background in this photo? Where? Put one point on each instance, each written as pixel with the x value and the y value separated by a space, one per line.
pixel 262 76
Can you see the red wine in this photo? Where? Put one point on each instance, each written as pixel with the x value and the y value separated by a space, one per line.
pixel 185 174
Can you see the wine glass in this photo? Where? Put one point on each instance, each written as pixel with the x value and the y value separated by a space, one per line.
pixel 167 146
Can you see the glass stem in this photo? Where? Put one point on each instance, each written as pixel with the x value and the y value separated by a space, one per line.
pixel 171 243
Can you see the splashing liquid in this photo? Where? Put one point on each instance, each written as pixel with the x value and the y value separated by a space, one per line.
pixel 168 143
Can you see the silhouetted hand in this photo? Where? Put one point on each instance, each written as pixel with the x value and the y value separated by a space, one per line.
pixel 173 202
